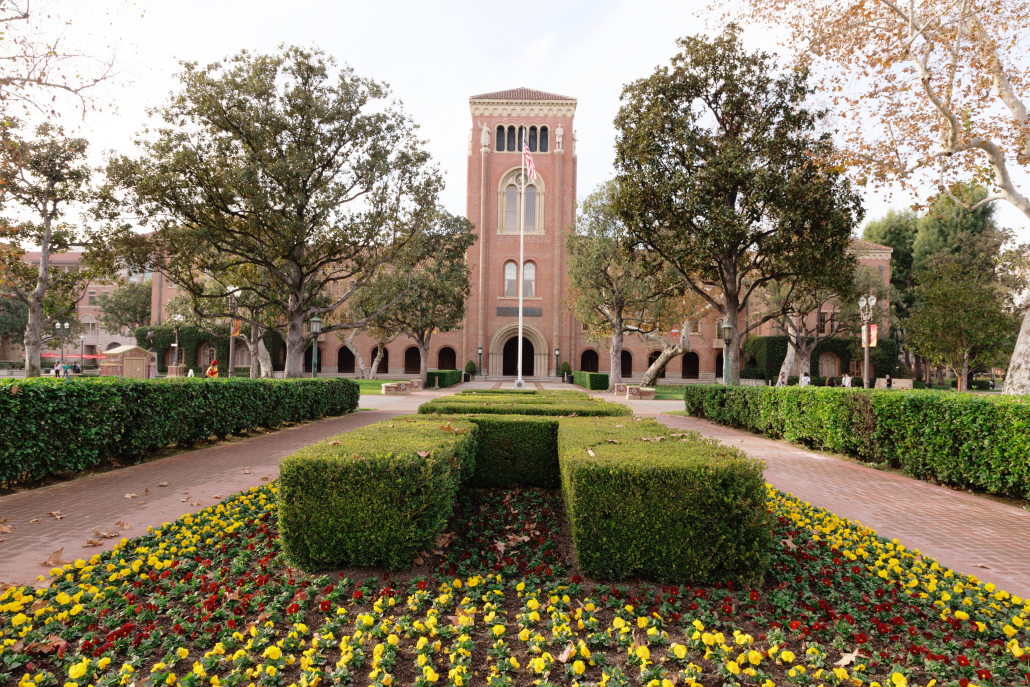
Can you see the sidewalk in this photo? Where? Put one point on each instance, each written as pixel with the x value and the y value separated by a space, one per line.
pixel 964 532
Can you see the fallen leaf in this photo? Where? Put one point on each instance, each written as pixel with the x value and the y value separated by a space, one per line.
pixel 847 659
pixel 130 496
pixel 4 529
pixel 390 426
pixel 146 492
pixel 218 496
pixel 106 534
pixel 140 503
pixel 565 655
pixel 4 586
pixel 124 525
pixel 183 500
pixel 591 453
pixel 35 521
pixel 55 559
pixel 620 425
pixel 245 471
pixel 38 605
pixel 981 566
pixel 423 454
pixel 447 427
pixel 790 543
pixel 196 503
pixel 612 441
pixel 500 546
pixel 419 561
pixel 331 443
pixel 162 484
pixel 266 478
pixel 93 542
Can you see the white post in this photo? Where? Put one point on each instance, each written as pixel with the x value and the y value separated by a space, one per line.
pixel 522 262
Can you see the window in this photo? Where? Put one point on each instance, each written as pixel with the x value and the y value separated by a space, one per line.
pixel 827 321
pixel 530 208
pixel 511 207
pixel 511 139
pixel 532 139
pixel 511 280
pixel 242 356
pixel 543 139
pixel 500 139
pixel 207 354
pixel 529 277
pixel 92 297
pixel 695 327
pixel 521 132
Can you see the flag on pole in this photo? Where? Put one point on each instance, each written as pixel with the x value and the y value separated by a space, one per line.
pixel 530 167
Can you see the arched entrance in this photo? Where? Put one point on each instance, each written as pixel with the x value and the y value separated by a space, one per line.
pixel 307 358
pixel 412 361
pixel 691 365
pixel 494 365
pixel 720 365
pixel 588 362
pixel 384 364
pixel 344 361
pixel 511 357
pixel 446 359
pixel 627 364
pixel 653 356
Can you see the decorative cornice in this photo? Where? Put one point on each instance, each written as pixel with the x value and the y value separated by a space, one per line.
pixel 522 108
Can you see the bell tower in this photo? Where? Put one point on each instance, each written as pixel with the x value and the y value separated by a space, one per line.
pixel 500 121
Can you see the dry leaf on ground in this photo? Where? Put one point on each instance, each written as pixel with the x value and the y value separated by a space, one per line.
pixel 56 513
pixel 130 496
pixel 55 559
pixel 245 471
pixel 34 521
pixel 124 525
pixel 591 453
pixel 218 496
pixel 162 484
pixel 4 529
pixel 847 659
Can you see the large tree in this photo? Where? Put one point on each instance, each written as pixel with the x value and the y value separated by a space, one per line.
pixel 126 307
pixel 45 177
pixel 964 315
pixel 613 289
pixel 719 175
pixel 929 91
pixel 14 317
pixel 285 167
pixel 432 296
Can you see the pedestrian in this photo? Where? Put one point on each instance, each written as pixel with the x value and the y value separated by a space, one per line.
pixel 190 373
pixel 992 383
pixel 212 371
pixel 782 381
pixel 805 380
pixel 845 381
pixel 888 381
pixel 830 381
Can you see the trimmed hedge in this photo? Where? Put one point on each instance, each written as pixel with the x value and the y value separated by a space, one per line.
pixel 447 378
pixel 594 381
pixel 963 440
pixel 553 404
pixel 52 425
pixel 682 508
pixel 374 496
pixel 516 450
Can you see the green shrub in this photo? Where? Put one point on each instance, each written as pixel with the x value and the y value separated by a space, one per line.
pixel 565 368
pixel 673 509
pixel 470 367
pixel 594 381
pixel 752 373
pixel 373 496
pixel 962 440
pixel 544 403
pixel 52 426
pixel 514 450
pixel 447 378
pixel 974 384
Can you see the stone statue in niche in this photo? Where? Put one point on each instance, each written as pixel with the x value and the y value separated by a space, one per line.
pixel 574 139
pixel 558 133
pixel 484 135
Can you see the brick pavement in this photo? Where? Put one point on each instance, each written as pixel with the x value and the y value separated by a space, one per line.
pixel 960 530
pixel 196 479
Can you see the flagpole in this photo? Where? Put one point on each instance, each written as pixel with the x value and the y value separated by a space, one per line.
pixel 522 262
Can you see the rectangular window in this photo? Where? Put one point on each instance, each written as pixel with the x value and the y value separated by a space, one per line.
pixel 530 208
pixel 511 210
pixel 92 298
pixel 695 327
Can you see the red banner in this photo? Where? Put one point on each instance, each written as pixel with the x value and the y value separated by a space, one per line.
pixel 236 327
pixel 872 335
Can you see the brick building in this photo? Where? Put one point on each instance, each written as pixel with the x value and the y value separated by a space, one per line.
pixel 494 191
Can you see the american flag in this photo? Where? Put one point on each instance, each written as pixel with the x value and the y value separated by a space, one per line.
pixel 530 167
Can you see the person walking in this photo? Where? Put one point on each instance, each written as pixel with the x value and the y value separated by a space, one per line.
pixel 782 381
pixel 845 381
pixel 889 381
pixel 212 370
pixel 805 380
pixel 190 373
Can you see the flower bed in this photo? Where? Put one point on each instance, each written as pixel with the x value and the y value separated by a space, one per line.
pixel 52 425
pixel 208 599
pixel 958 439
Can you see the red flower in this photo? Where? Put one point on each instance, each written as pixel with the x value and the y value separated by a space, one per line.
pixel 324 606
pixel 795 624
pixel 861 638
pixel 292 608
pixel 357 594
pixel 962 661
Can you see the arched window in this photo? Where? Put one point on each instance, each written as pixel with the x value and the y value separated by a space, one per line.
pixel 500 138
pixel 543 139
pixel 446 359
pixel 242 356
pixel 511 208
pixel 522 132
pixel 627 363
pixel 588 361
pixel 207 354
pixel 344 361
pixel 529 278
pixel 691 365
pixel 511 279
pixel 530 208
pixel 412 361
pixel 532 139
pixel 829 365
pixel 653 356
pixel 511 139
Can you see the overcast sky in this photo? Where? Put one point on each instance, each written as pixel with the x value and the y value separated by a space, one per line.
pixel 433 55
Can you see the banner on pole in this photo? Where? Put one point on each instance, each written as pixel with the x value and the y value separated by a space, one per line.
pixel 872 335
pixel 236 327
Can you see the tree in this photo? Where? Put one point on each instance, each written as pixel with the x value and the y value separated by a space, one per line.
pixel 932 90
pixel 946 221
pixel 964 316
pixel 298 173
pixel 46 176
pixel 432 297
pixel 126 307
pixel 611 284
pixel 670 330
pixel 14 317
pixel 718 170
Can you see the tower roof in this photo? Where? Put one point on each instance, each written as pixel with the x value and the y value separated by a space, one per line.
pixel 521 93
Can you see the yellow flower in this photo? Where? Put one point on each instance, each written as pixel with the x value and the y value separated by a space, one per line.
pixel 272 652
pixel 961 615
pixel 78 670
pixel 733 667
pixel 898 680
pixel 643 653
pixel 429 673
pixel 787 657
pixel 76 609
pixel 182 652
pixel 679 651
pixel 579 667
pixel 103 663
pixel 524 635
pixel 754 658
pixel 498 630
pixel 270 670
pixel 19 619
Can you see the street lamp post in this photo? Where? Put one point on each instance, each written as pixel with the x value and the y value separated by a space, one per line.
pixel 64 339
pixel 865 309
pixel 316 329
pixel 727 338
pixel 177 322
pixel 232 329
pixel 556 373
pixel 82 351
pixel 479 373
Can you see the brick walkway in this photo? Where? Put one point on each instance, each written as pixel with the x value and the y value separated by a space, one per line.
pixel 195 480
pixel 961 531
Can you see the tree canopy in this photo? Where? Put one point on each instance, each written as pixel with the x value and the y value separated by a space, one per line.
pixel 127 306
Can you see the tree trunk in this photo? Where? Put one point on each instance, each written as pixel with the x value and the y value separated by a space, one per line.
pixel 805 360
pixel 1017 379
pixel 788 361
pixel 375 363
pixel 667 354
pixel 295 344
pixel 733 353
pixel 264 359
pixel 349 343
pixel 33 340
pixel 423 363
pixel 615 375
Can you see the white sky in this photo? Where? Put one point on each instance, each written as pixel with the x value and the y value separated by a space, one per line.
pixel 434 55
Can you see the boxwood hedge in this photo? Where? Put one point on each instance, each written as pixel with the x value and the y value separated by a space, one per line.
pixel 374 496
pixel 962 440
pixel 642 502
pixel 52 425
pixel 558 403
pixel 515 450
pixel 594 381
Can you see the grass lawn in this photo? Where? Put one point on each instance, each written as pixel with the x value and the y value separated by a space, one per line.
pixel 668 392
pixel 373 386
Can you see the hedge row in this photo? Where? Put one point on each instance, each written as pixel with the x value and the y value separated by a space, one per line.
pixel 375 496
pixel 963 440
pixel 447 378
pixel 642 502
pixel 546 403
pixel 514 450
pixel 52 426
pixel 594 381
